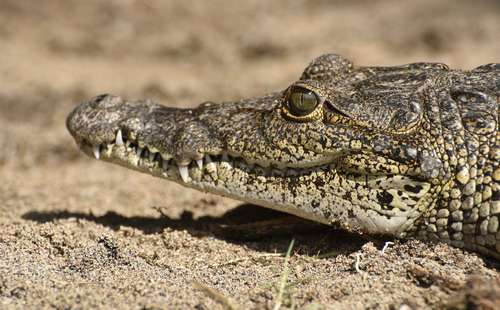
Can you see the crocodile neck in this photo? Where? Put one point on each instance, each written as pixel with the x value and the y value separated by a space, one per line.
pixel 465 129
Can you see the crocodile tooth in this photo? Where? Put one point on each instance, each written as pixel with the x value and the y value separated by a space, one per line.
pixel 225 161
pixel 199 162
pixel 184 173
pixel 138 152
pixel 97 151
pixel 119 138
pixel 211 166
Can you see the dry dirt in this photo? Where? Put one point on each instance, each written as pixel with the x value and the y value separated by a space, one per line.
pixel 77 233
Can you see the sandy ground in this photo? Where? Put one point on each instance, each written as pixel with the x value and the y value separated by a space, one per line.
pixel 81 234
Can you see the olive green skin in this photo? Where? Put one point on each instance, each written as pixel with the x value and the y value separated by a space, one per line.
pixel 409 151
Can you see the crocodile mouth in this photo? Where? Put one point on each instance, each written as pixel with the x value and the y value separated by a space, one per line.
pixel 210 169
pixel 282 189
pixel 139 156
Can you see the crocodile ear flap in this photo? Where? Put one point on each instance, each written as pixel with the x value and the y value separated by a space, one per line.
pixel 406 118
pixel 328 68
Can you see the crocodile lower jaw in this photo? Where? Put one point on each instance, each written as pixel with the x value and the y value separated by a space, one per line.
pixel 212 173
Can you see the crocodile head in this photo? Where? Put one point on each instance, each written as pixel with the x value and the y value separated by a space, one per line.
pixel 344 146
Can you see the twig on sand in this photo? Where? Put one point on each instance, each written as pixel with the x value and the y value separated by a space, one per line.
pixel 216 295
pixel 284 278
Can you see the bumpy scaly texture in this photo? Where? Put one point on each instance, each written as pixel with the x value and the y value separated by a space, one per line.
pixel 408 151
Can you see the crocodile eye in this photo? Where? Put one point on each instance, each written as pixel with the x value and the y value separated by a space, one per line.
pixel 302 101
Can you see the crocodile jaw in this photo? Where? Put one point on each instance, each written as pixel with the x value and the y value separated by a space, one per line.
pixel 232 177
pixel 218 174
pixel 315 188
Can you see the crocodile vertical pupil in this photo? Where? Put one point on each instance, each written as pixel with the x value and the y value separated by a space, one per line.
pixel 302 101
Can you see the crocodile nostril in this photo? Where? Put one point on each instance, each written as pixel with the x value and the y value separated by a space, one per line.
pixel 106 101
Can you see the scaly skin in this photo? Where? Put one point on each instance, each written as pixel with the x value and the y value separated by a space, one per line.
pixel 410 151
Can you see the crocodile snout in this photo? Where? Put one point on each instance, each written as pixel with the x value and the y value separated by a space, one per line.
pixel 95 121
pixel 109 120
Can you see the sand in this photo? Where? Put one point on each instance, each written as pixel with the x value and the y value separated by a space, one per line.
pixel 76 233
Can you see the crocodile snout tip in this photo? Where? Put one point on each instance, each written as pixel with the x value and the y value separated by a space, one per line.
pixel 97 115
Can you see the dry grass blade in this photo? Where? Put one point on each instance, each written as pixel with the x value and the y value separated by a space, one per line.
pixel 284 278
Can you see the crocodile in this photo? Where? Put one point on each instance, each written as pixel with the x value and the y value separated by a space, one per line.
pixel 409 151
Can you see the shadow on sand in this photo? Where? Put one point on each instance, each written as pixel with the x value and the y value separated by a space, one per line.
pixel 255 227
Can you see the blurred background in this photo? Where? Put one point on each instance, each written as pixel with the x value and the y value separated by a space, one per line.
pixel 56 204
pixel 56 53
